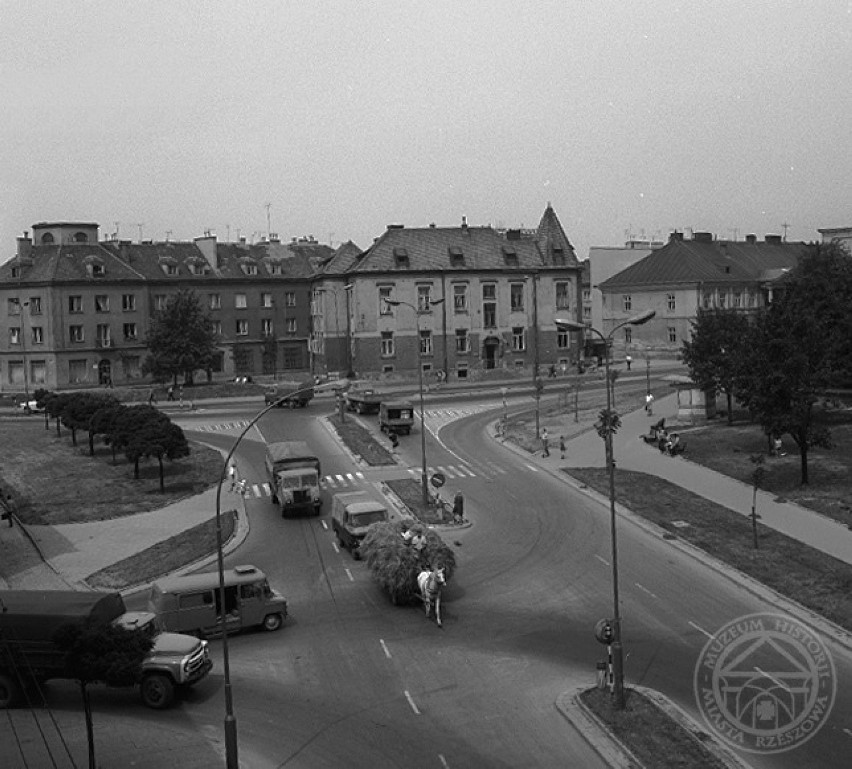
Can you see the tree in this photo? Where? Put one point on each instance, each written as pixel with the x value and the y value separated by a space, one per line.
pixel 141 433
pixel 130 422
pixel 715 352
pixel 104 422
pixel 102 652
pixel 799 348
pixel 78 413
pixel 180 339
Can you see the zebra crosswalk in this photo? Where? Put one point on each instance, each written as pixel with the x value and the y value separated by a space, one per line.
pixel 220 427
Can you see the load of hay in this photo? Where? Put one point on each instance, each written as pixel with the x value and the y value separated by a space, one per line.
pixel 395 565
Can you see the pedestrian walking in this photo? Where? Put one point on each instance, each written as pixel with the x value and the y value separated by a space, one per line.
pixel 170 393
pixel 545 442
pixel 240 487
pixel 628 360
pixel 180 396
pixel 562 447
pixel 151 398
pixel 649 404
pixel 232 475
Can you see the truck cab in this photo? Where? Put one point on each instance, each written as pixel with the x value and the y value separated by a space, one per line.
pixel 352 513
pixel 192 603
pixel 293 471
pixel 396 417
pixel 294 393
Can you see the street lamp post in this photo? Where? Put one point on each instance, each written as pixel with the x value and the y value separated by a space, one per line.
pixel 417 314
pixel 231 757
pixel 608 427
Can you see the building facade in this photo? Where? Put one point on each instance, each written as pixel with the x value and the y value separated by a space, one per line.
pixel 75 311
pixel 465 300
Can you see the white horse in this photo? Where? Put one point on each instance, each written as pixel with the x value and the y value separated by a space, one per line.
pixel 430 584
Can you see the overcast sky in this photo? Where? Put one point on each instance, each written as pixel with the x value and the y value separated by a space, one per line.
pixel 631 117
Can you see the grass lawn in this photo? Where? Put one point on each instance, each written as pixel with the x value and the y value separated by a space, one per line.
pixel 655 740
pixel 361 441
pixel 54 482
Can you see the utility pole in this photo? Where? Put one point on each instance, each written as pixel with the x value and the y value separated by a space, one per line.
pixel 268 207
pixel 785 227
pixel 140 225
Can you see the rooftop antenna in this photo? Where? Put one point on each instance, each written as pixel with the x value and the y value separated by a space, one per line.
pixel 239 230
pixel 785 227
pixel 228 230
pixel 140 225
pixel 168 235
pixel 268 206
pixel 116 229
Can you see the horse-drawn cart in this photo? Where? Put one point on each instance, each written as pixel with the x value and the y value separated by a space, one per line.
pixel 410 562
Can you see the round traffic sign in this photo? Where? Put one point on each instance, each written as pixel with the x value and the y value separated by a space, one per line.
pixel 438 480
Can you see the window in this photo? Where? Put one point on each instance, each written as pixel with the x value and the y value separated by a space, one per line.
pixel 98 269
pixel 75 334
pixel 130 366
pixel 170 269
pixel 102 303
pixel 387 344
pixel 672 334
pixel 456 256
pixel 706 301
pixel 214 301
pixel 670 302
pixel 242 328
pixel 721 300
pixel 38 372
pixel 462 341
pixel 424 298
pixel 291 327
pixel 217 327
pixel 489 305
pixel 516 294
pixel 47 238
pixel 563 298
pixel 266 300
pixel 14 335
pixel 737 300
pixel 240 301
pixel 587 295
pixel 130 331
pixel 14 306
pixel 460 298
pixel 275 268
pixel 290 298
pixel 518 339
pixel 266 327
pixel 16 372
pixel 749 299
pixel 38 335
pixel 102 338
pixel 628 336
pixel 128 302
pixel 35 305
pixel 587 313
pixel 75 304
pixel 563 340
pixel 425 342
pixel 160 301
pixel 626 302
pixel 78 371
pixel 384 307
pixel 250 269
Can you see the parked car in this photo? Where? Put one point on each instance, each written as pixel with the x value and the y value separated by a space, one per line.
pixel 31 407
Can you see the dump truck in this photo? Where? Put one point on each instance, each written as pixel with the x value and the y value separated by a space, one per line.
pixel 294 475
pixel 363 400
pixel 352 513
pixel 291 393
pixel 29 654
pixel 396 417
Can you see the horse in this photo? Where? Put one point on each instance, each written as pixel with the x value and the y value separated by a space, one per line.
pixel 430 584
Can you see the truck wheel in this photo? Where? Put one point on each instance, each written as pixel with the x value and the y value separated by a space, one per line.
pixel 9 691
pixel 157 690
pixel 272 622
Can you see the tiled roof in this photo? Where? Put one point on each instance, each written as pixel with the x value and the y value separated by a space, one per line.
pixel 343 260
pixel 448 249
pixel 719 261
pixel 553 241
pixel 70 263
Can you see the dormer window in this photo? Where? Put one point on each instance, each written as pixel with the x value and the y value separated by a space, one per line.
pixel 275 268
pixel 456 256
pixel 249 268
pixel 558 256
pixel 81 237
pixel 94 266
pixel 400 257
pixel 47 239
pixel 170 269
pixel 510 256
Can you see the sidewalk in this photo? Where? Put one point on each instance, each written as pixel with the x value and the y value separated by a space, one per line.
pixel 586 449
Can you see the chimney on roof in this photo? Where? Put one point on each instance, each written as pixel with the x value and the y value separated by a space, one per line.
pixel 25 246
pixel 207 246
pixel 751 239
pixel 774 239
pixel 675 236
pixel 395 226
pixel 703 237
pixel 464 223
pixel 513 234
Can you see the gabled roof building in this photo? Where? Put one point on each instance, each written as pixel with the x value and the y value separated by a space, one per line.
pixel 686 275
pixel 467 299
